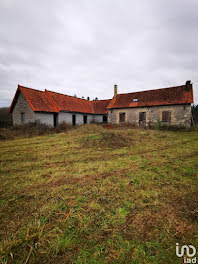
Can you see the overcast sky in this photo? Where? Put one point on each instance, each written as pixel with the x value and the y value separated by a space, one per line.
pixel 84 47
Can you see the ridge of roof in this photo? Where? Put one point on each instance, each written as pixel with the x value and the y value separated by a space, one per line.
pixel 75 97
pixel 52 100
pixel 13 100
pixel 69 95
pixel 100 100
pixel 21 89
pixel 21 86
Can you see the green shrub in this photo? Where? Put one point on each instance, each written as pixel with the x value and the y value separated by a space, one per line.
pixel 158 125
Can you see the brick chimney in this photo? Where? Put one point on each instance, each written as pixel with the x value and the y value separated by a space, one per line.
pixel 115 90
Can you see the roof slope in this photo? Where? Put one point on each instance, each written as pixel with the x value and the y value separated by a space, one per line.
pixel 70 103
pixel 100 106
pixel 164 96
pixel 38 100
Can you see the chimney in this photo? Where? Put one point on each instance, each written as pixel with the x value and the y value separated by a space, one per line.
pixel 187 86
pixel 115 90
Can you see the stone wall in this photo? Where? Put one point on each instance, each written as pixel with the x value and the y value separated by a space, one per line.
pixel 44 118
pixel 67 118
pixel 180 114
pixel 98 118
pixel 22 106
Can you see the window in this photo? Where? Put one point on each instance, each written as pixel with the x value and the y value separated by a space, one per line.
pixel 22 118
pixel 166 117
pixel 135 100
pixel 122 117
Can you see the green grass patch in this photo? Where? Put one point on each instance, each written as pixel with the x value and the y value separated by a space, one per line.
pixel 96 194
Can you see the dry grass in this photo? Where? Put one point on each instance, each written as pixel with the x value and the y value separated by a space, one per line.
pixel 98 194
pixel 32 130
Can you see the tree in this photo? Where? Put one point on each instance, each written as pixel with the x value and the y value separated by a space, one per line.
pixel 88 98
pixel 195 113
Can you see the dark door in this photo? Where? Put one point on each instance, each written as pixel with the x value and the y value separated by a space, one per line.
pixel 73 120
pixel 104 119
pixel 142 119
pixel 85 119
pixel 55 119
pixel 166 118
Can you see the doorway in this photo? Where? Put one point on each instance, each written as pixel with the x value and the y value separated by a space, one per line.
pixel 142 119
pixel 85 119
pixel 104 119
pixel 73 120
pixel 55 119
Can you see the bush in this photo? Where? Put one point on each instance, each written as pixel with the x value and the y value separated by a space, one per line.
pixel 32 129
pixel 158 125
pixel 5 117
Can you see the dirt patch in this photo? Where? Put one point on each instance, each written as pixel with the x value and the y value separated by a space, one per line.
pixel 64 180
pixel 187 205
pixel 192 154
pixel 104 140
pixel 148 224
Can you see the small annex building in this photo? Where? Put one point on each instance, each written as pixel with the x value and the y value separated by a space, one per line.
pixel 170 106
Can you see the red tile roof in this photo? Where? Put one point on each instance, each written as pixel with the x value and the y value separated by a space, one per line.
pixel 70 103
pixel 164 96
pixel 55 102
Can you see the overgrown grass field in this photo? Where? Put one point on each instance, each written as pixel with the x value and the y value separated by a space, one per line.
pixel 98 195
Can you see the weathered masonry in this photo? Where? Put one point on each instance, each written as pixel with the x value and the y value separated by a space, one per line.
pixel 170 106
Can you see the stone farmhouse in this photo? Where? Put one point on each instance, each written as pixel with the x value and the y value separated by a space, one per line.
pixel 170 106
